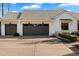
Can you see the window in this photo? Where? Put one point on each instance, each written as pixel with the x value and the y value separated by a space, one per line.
pixel 64 26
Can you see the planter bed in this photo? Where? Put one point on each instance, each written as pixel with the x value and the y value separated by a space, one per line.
pixel 64 39
pixel 76 33
pixel 69 37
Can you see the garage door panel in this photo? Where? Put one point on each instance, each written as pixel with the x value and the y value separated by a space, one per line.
pixel 35 29
pixel 10 29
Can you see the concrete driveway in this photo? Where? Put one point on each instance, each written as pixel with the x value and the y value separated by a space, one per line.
pixel 33 46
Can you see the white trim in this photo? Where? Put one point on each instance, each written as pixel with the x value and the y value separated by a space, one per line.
pixel 2 29
pixel 21 29
pixel 63 13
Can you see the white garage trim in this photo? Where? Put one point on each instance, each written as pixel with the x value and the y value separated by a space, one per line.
pixel 2 29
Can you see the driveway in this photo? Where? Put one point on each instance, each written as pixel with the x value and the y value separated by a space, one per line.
pixel 33 46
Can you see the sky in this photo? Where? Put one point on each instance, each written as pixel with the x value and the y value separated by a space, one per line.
pixel 19 7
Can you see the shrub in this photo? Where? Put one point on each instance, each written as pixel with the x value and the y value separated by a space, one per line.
pixel 66 33
pixel 16 34
pixel 75 33
pixel 72 38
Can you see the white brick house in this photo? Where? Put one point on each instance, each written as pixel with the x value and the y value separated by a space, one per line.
pixel 39 22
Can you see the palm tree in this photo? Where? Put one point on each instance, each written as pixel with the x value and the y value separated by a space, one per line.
pixel 2 9
pixel 8 7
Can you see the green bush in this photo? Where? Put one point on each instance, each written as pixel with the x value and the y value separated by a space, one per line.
pixel 66 33
pixel 72 38
pixel 75 33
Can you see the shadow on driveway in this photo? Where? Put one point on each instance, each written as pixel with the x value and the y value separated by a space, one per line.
pixel 50 41
pixel 71 54
pixel 23 37
pixel 75 50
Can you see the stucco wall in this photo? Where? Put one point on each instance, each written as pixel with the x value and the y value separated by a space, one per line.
pixel 55 26
pixel 19 24
pixel 2 29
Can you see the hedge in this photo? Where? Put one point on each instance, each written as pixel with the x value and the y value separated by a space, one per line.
pixel 72 38
pixel 75 33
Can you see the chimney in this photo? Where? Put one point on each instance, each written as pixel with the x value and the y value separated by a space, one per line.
pixel 2 9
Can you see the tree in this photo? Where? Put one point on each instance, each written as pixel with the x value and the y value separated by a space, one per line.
pixel 2 9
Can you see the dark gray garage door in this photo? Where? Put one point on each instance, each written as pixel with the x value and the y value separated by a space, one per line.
pixel 35 29
pixel 10 29
pixel 0 28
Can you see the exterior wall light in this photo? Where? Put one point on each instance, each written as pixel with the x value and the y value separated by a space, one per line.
pixel 52 18
pixel 28 22
pixel 10 23
pixel 42 22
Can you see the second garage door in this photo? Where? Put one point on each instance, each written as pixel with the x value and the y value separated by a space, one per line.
pixel 10 29
pixel 35 29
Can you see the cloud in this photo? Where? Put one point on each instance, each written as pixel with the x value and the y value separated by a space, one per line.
pixel 63 4
pixel 39 3
pixel 31 6
pixel 13 3
pixel 69 4
pixel 14 11
pixel 69 10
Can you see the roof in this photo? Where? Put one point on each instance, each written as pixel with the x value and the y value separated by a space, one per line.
pixel 76 15
pixel 11 15
pixel 38 14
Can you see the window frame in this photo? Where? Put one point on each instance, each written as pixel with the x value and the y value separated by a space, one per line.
pixel 78 26
pixel 65 27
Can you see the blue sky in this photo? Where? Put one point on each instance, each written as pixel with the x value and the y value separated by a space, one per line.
pixel 19 7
